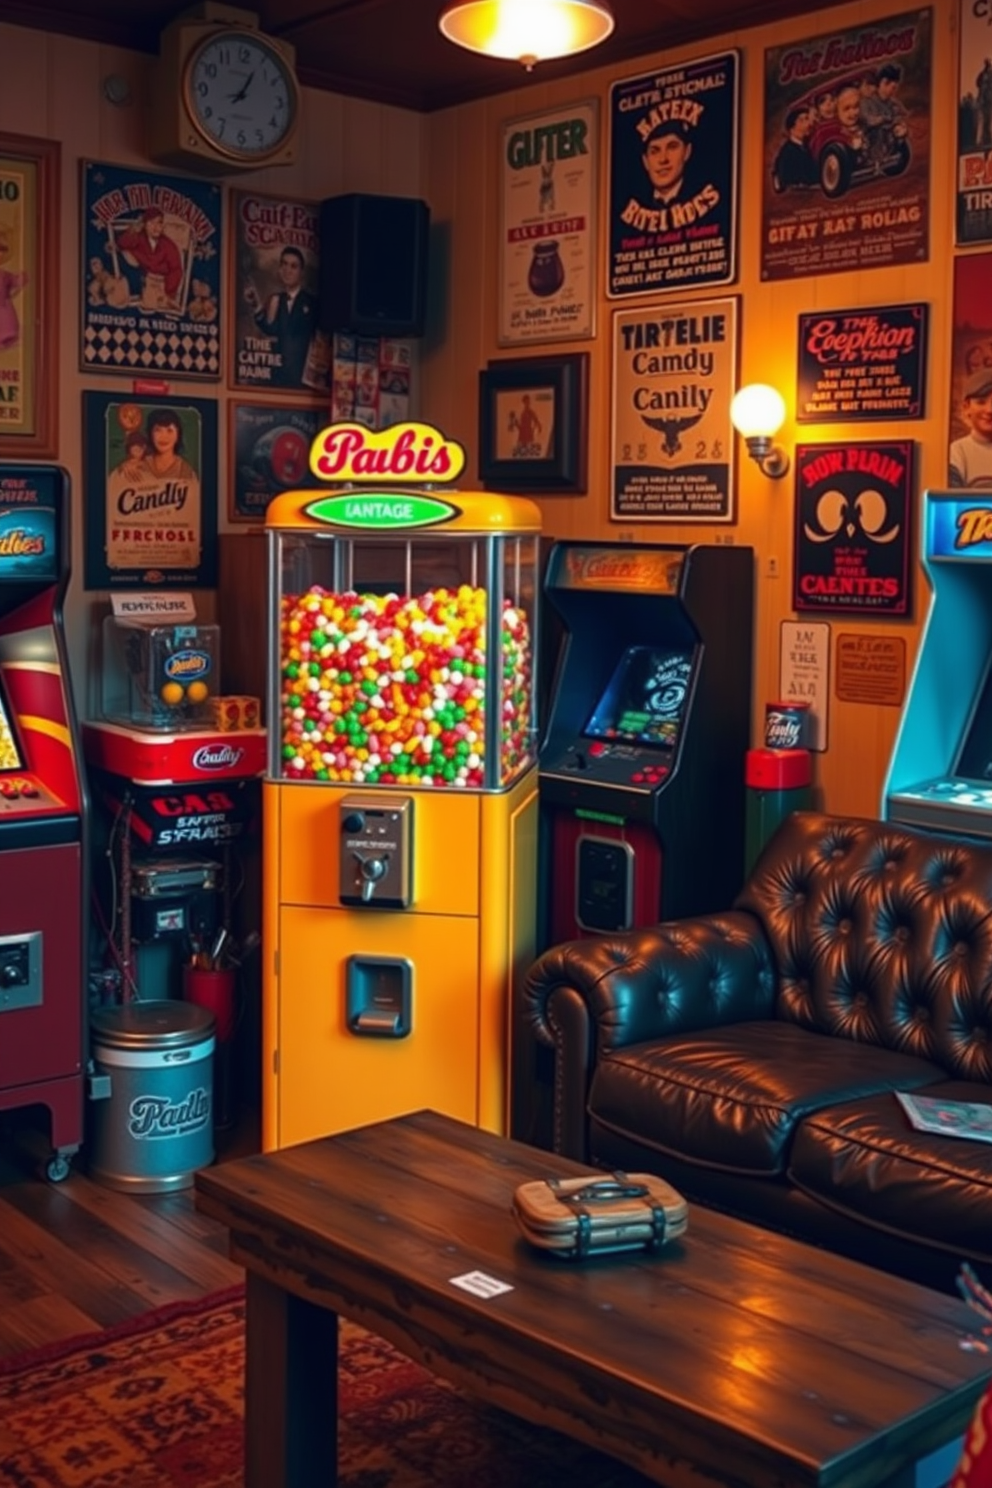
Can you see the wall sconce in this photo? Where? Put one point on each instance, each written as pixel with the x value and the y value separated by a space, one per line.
pixel 526 31
pixel 758 412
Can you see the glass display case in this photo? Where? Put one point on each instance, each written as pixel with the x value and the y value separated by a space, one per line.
pixel 159 677
pixel 405 660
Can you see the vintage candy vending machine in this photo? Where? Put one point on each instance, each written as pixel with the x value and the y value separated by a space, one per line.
pixel 400 803
pixel 42 816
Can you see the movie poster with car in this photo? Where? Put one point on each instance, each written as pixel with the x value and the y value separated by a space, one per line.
pixel 853 528
pixel 151 491
pixel 151 274
pixel 862 364
pixel 969 459
pixel 674 374
pixel 275 252
pixel 847 149
pixel 673 177
pixel 549 165
pixel 974 182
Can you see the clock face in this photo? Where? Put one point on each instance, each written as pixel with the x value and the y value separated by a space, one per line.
pixel 241 95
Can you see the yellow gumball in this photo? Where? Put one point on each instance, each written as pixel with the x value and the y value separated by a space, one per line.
pixel 171 694
pixel 197 691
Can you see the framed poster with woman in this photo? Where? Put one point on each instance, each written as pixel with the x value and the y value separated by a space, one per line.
pixel 29 316
pixel 151 484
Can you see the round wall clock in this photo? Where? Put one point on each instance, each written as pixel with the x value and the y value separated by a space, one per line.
pixel 241 95
pixel 224 97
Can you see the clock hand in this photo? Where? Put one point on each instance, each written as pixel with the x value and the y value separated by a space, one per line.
pixel 242 92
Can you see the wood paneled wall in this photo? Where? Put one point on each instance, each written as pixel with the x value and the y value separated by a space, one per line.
pixel 52 88
pixel 462 154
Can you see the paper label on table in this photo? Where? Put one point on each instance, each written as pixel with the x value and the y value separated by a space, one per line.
pixel 480 1285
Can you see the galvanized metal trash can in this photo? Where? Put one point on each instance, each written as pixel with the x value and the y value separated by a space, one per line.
pixel 152 1122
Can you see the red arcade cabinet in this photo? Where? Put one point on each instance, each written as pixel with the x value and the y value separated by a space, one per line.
pixel 42 816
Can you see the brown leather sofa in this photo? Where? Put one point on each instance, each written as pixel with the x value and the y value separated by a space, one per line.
pixel 751 1057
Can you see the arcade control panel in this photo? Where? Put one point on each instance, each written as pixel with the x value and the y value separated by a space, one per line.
pixel 953 804
pixel 604 762
pixel 23 793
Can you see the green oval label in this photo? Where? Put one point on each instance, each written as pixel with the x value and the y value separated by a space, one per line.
pixel 381 510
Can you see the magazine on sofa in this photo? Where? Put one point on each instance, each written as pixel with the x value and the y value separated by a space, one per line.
pixel 970 1119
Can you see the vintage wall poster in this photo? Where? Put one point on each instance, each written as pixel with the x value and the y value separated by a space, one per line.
pixel 853 528
pixel 847 149
pixel 151 491
pixel 862 364
pixel 674 374
pixel 275 254
pixel 673 177
pixel 548 168
pixel 974 182
pixel 151 273
pixel 20 266
pixel 804 671
pixel 270 453
pixel 969 457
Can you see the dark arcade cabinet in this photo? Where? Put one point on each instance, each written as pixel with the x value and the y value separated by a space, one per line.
pixel 43 817
pixel 940 774
pixel 641 773
pixel 642 764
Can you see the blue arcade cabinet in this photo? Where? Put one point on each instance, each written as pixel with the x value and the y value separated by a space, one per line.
pixel 940 775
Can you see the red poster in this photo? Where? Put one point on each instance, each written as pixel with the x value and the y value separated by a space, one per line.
pixel 854 528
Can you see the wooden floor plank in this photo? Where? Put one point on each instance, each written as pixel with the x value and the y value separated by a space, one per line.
pixel 79 1256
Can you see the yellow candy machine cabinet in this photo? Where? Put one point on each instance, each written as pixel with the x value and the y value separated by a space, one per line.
pixel 400 803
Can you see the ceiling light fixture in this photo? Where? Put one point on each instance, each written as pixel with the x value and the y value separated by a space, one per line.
pixel 527 31
pixel 757 412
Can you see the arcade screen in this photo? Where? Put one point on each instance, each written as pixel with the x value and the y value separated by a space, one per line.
pixel 10 758
pixel 644 699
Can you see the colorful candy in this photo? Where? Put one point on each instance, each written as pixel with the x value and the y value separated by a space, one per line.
pixel 392 691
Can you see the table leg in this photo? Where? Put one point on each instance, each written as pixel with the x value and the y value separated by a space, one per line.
pixel 291 1387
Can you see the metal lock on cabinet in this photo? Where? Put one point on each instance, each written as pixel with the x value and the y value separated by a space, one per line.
pixel 377 851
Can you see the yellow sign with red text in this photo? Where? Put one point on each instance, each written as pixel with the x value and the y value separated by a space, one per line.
pixel 405 453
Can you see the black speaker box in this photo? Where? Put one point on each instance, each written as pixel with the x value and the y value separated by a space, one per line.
pixel 373 264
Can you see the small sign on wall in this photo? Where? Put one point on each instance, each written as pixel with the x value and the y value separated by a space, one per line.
pixel 804 666
pixel 871 669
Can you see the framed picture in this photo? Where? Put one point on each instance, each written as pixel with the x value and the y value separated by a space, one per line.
pixel 269 452
pixel 29 309
pixel 532 424
pixel 151 491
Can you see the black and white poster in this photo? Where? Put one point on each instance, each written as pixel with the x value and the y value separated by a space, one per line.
pixel 673 177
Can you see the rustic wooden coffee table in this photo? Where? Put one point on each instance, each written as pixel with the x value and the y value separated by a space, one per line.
pixel 735 1357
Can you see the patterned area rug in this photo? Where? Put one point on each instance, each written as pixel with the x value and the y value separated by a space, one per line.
pixel 157 1403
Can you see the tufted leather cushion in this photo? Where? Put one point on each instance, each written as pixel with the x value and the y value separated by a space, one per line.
pixel 881 936
pixel 864 1159
pixel 731 1098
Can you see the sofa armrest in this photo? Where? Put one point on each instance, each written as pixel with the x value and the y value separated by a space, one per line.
pixel 586 998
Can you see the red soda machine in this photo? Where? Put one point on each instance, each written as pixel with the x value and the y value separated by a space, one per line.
pixel 43 817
